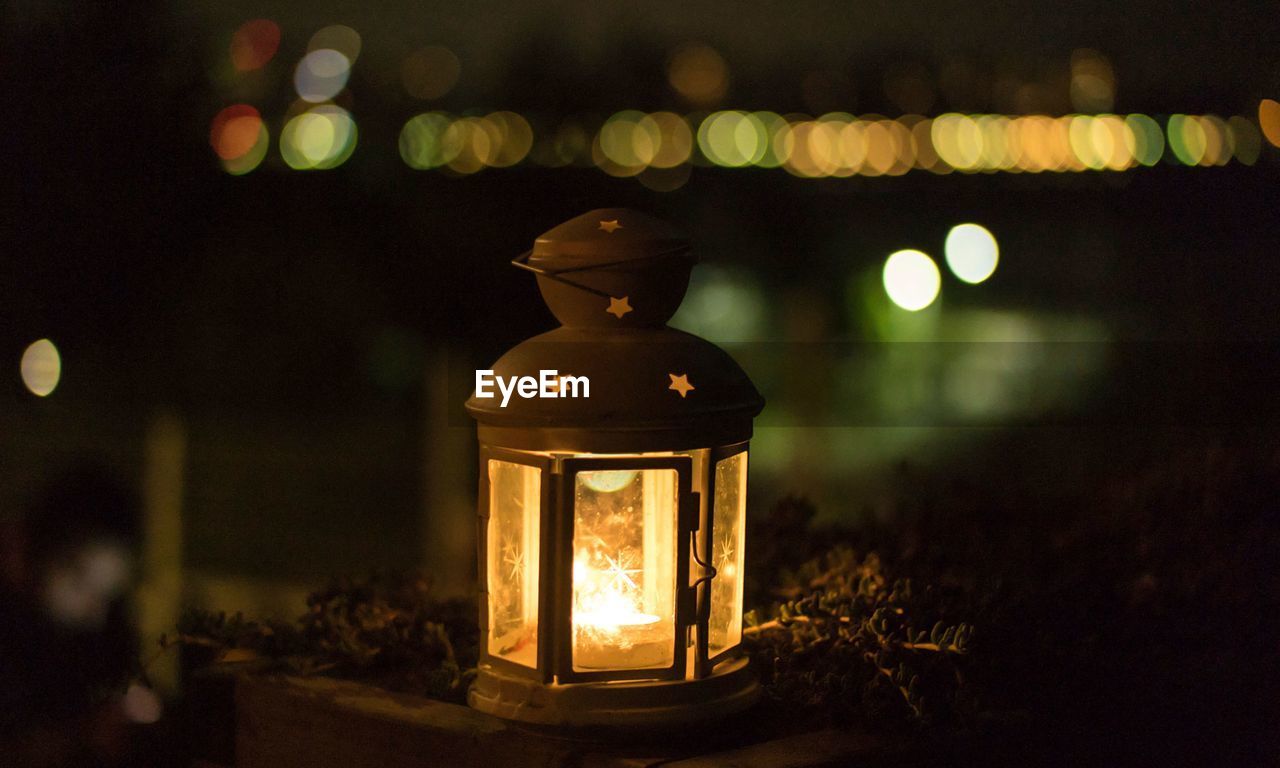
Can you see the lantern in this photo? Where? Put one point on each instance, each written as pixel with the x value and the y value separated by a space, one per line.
pixel 613 469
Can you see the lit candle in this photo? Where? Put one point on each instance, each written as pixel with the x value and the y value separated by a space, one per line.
pixel 611 630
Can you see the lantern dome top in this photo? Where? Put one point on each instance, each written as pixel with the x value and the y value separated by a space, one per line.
pixel 604 237
pixel 651 387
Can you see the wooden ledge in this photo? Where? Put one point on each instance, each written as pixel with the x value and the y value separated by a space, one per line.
pixel 325 723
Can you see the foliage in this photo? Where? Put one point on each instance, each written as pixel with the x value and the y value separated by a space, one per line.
pixel 1130 590
pixel 840 637
pixel 387 629
pixel 1137 594
pixel 846 641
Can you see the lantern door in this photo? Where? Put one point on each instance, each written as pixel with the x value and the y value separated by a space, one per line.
pixel 724 536
pixel 516 491
pixel 624 603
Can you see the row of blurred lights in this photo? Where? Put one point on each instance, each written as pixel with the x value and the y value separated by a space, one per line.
pixel 842 145
pixel 632 143
pixel 658 147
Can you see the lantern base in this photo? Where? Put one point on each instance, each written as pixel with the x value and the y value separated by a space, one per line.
pixel 626 705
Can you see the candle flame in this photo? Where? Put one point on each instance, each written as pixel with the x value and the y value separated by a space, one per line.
pixel 608 598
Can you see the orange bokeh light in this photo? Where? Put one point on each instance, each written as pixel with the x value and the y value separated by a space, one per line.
pixel 234 131
pixel 1269 120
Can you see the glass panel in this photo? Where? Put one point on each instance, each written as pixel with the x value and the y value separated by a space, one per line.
pixel 624 569
pixel 515 500
pixel 724 628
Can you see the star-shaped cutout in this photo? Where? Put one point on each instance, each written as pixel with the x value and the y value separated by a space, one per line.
pixel 618 306
pixel 681 384
pixel 516 560
pixel 610 226
pixel 725 555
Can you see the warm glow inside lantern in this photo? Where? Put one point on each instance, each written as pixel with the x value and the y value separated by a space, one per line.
pixel 612 504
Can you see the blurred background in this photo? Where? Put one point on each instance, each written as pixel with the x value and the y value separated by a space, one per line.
pixel 246 247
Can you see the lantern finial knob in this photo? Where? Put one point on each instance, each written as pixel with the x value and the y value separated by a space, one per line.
pixel 611 267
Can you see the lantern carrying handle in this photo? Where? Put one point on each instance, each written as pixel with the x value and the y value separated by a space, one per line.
pixel 522 262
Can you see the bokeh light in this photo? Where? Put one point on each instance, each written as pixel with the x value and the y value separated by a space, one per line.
pixel 1080 135
pixel 1245 137
pixel 425 141
pixel 1146 139
pixel 926 156
pixel 722 304
pixel 1093 82
pixel 515 138
pixel 675 140
pixel 857 148
pixel 628 139
pixel 1217 140
pixel 477 140
pixel 811 148
pixel 1112 141
pixel 1060 144
pixel 233 132
pixel 1100 142
pixel 41 367
pixel 911 279
pixel 624 141
pixel 239 166
pixel 890 147
pixel 254 43
pixel 699 74
pixel 321 75
pixel 1269 120
pixel 1186 139
pixel 733 139
pixel 1029 135
pixel 775 127
pixel 958 141
pixel 972 252
pixel 994 151
pixel 318 139
pixel 337 37
pixel 429 73
pixel 239 138
pixel 664 179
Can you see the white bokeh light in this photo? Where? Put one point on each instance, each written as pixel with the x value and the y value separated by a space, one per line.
pixel 972 252
pixel 911 279
pixel 321 75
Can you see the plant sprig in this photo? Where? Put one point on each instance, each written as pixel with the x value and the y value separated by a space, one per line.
pixel 387 629
pixel 849 640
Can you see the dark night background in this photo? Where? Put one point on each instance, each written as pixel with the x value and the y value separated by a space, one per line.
pixel 273 358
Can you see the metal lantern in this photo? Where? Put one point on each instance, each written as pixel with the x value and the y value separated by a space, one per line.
pixel 613 494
